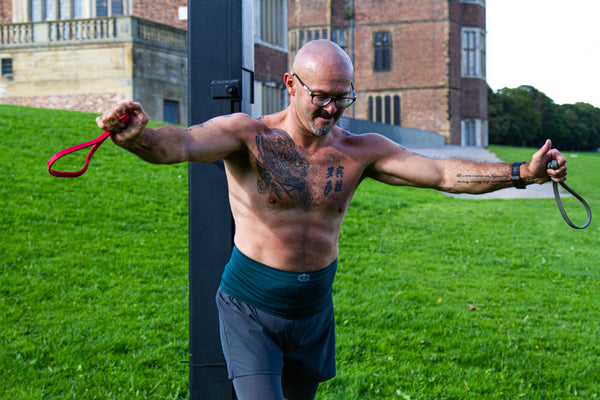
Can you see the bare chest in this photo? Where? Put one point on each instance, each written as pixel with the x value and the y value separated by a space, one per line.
pixel 289 177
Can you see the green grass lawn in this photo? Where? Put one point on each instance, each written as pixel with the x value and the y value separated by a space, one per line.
pixel 93 282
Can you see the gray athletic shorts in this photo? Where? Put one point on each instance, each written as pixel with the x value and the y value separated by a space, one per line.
pixel 258 343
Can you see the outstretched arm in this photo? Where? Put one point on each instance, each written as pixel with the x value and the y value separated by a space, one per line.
pixel 396 166
pixel 207 142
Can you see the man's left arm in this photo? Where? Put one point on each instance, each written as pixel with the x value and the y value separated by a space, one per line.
pixel 404 168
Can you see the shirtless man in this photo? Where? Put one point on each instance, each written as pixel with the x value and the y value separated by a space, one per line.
pixel 291 176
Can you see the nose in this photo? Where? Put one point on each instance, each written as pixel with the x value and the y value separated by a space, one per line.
pixel 330 108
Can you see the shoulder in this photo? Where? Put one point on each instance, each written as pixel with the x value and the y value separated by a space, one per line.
pixel 238 125
pixel 237 121
pixel 369 141
pixel 229 122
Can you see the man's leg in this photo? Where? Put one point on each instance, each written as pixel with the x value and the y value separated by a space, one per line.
pixel 296 388
pixel 259 387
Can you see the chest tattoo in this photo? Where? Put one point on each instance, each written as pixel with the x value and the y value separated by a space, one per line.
pixel 334 179
pixel 282 170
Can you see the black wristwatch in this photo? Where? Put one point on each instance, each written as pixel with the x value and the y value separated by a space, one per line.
pixel 516 175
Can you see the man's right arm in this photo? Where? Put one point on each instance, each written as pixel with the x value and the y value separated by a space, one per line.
pixel 207 142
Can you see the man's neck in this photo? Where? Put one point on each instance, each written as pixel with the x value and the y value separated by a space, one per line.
pixel 302 137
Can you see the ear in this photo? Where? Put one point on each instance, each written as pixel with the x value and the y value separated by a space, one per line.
pixel 288 79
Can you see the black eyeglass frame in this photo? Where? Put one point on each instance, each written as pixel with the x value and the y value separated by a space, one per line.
pixel 348 101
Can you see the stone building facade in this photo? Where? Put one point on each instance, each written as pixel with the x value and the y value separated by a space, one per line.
pixel 70 55
pixel 419 63
pixel 86 55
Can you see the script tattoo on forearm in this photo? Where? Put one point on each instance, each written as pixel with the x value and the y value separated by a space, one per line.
pixel 282 170
pixel 471 179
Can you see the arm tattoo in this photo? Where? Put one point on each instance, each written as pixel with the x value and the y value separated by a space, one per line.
pixel 470 179
pixel 197 126
pixel 282 170
pixel 201 125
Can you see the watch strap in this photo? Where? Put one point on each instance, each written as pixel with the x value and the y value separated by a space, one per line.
pixel 516 175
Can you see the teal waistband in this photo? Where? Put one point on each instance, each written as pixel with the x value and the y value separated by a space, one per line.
pixel 284 293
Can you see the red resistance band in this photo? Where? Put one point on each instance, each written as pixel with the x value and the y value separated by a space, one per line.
pixel 94 143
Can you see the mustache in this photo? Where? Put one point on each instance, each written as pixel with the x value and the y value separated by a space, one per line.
pixel 325 114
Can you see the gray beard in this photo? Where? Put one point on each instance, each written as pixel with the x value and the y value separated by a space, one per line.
pixel 321 131
pixel 326 129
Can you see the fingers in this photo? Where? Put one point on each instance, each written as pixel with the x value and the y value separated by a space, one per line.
pixel 539 164
pixel 558 170
pixel 109 121
pixel 123 133
pixel 556 165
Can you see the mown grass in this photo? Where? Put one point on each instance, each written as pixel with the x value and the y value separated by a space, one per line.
pixel 93 282
pixel 412 261
pixel 93 274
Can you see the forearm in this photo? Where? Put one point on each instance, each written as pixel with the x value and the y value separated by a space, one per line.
pixel 468 177
pixel 476 178
pixel 159 145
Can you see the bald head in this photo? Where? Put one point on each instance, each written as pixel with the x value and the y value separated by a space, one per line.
pixel 323 56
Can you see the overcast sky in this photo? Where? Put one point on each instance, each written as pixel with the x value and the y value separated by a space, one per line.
pixel 552 45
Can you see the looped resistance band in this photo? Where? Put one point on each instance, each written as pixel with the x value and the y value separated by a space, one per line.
pixel 554 165
pixel 94 143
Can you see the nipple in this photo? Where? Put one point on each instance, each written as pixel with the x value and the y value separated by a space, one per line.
pixel 272 199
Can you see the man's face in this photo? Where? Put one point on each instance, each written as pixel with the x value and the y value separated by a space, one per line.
pixel 321 118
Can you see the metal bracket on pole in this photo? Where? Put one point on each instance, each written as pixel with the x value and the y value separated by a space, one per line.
pixel 227 89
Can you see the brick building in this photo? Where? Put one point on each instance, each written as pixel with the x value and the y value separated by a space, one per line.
pixel 419 63
pixel 86 55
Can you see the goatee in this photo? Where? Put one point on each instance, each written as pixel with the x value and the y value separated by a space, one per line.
pixel 325 129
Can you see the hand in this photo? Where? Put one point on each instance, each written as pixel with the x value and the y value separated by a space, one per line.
pixel 124 133
pixel 537 168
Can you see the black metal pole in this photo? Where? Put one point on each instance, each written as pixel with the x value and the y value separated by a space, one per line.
pixel 221 64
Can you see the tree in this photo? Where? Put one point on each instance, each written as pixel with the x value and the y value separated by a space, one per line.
pixel 526 116
pixel 512 118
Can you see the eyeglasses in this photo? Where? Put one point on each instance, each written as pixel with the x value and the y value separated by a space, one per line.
pixel 321 100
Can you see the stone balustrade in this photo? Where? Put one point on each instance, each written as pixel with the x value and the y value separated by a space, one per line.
pixel 92 29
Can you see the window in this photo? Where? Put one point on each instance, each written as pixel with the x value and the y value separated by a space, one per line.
pixel 384 109
pixel 378 109
pixel 474 132
pixel 473 53
pixel 300 37
pixel 171 112
pixel 273 98
pixel 480 2
pixel 382 51
pixel 52 10
pixel 269 97
pixel 338 36
pixel 109 8
pixel 388 109
pixel 307 35
pixel 397 110
pixel 270 22
pixel 468 133
pixel 7 67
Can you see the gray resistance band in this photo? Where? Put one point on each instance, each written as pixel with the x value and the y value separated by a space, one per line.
pixel 554 165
